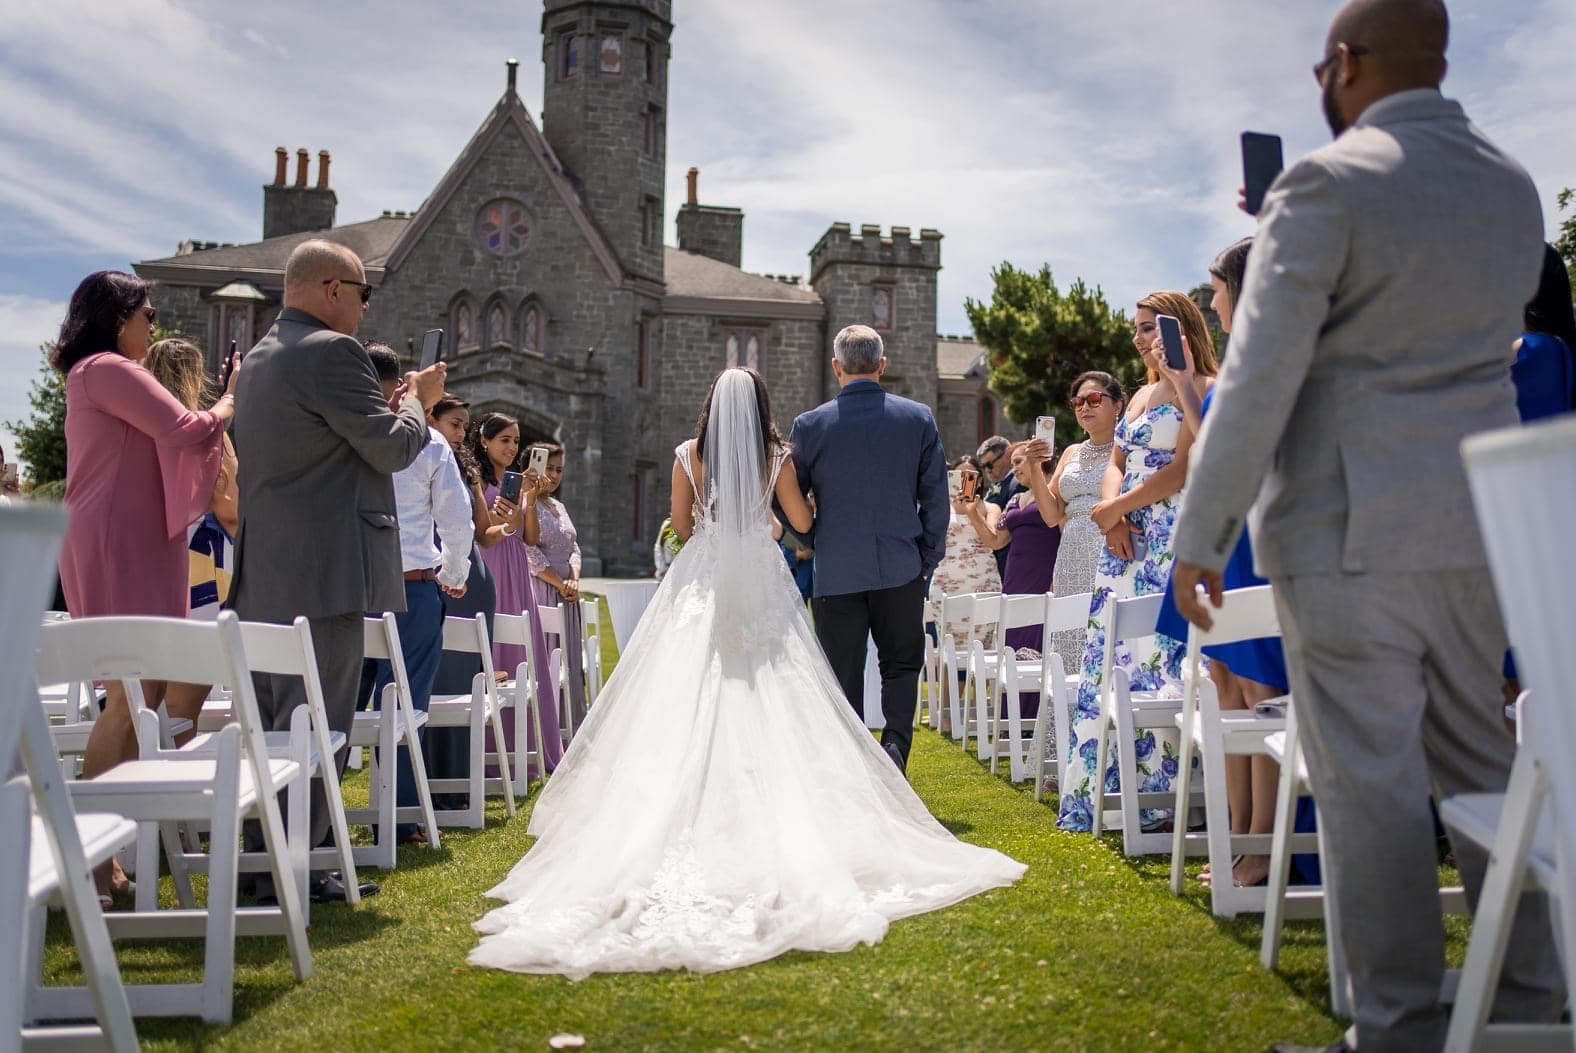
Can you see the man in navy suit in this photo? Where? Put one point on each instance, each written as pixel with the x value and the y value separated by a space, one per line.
pixel 874 462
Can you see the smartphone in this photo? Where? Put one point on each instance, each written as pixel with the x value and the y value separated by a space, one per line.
pixel 509 487
pixel 538 462
pixel 431 348
pixel 971 483
pixel 955 481
pixel 1261 163
pixel 1171 340
pixel 1045 429
pixel 227 366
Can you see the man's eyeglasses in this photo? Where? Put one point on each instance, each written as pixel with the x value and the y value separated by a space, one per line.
pixel 988 465
pixel 1323 65
pixel 366 289
pixel 1093 400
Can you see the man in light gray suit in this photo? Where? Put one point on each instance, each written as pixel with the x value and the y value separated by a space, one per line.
pixel 318 535
pixel 1384 290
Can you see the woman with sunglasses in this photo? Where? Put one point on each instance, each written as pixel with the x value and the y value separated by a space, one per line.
pixel 140 468
pixel 1067 496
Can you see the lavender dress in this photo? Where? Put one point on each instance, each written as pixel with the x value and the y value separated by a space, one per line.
pixel 558 548
pixel 511 572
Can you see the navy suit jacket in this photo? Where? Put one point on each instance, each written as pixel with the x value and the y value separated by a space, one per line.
pixel 875 464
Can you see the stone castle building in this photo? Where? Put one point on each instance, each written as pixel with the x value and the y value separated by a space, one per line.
pixel 541 253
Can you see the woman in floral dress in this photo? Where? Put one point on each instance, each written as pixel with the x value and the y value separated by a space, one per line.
pixel 970 562
pixel 1140 496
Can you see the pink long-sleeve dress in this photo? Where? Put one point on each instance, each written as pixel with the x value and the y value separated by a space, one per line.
pixel 140 469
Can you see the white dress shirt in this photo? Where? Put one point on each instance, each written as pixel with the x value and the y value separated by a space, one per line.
pixel 431 492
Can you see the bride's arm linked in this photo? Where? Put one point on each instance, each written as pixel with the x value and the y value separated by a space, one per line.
pixel 794 507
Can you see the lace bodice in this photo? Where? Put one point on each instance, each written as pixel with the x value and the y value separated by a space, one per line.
pixel 683 452
pixel 1081 477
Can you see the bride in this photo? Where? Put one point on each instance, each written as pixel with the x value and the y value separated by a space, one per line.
pixel 722 803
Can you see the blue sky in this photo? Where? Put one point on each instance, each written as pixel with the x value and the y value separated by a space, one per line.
pixel 1101 139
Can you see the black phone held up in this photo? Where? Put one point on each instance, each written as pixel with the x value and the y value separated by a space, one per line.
pixel 1261 163
pixel 509 487
pixel 1171 340
pixel 431 348
pixel 227 367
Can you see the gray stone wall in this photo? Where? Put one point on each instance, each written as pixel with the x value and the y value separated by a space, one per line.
pixel 957 417
pixel 710 230
pixel 597 122
pixel 293 209
pixel 848 270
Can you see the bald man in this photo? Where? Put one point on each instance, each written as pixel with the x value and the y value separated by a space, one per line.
pixel 1385 286
pixel 318 534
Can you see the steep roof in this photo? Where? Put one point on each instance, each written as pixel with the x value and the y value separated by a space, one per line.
pixel 959 359
pixel 509 112
pixel 371 240
pixel 691 274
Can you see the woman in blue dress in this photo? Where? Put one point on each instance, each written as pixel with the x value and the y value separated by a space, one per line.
pixel 1543 369
pixel 1250 671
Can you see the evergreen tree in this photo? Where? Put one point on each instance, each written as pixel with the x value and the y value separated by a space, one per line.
pixel 41 440
pixel 1038 339
pixel 1566 242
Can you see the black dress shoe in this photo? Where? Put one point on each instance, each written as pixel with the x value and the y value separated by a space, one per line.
pixel 897 757
pixel 330 888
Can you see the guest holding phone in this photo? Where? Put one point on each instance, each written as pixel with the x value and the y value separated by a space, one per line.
pixel 1030 544
pixel 140 468
pixel 495 446
pixel 1139 498
pixel 1250 671
pixel 969 564
pixel 554 552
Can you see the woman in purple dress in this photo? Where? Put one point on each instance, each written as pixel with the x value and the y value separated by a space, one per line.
pixel 1032 555
pixel 554 550
pixel 496 447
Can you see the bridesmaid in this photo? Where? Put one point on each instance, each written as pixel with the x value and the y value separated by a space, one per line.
pixel 140 469
pixel 1066 498
pixel 1140 495
pixel 1032 555
pixel 554 551
pixel 495 447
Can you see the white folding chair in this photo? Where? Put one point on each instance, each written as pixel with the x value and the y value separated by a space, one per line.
pixel 927 705
pixel 955 652
pixel 1521 487
pixel 552 621
pixel 1062 614
pixel 474 711
pixel 518 695
pixel 1013 611
pixel 238 780
pixel 1127 712
pixel 394 722
pixel 1246 614
pixel 58 847
pixel 591 630
pixel 286 650
pixel 979 686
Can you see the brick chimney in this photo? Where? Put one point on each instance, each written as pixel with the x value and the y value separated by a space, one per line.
pixel 297 208
pixel 710 230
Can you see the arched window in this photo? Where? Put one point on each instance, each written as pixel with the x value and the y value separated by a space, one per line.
pixel 533 328
pixel 497 325
pixel 463 324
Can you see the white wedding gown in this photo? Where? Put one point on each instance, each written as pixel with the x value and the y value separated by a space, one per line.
pixel 722 803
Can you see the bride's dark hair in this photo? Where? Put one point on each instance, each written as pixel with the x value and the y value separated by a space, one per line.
pixel 770 440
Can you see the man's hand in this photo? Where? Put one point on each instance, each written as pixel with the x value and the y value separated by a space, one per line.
pixel 1184 579
pixel 427 385
pixel 453 594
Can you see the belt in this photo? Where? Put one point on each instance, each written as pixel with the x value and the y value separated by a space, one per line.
pixel 421 575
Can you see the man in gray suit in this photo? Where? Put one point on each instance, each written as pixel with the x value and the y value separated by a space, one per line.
pixel 318 535
pixel 1384 290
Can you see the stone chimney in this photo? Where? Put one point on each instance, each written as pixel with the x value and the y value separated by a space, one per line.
pixel 710 230
pixel 297 208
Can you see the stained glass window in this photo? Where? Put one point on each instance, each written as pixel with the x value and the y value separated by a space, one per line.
pixel 502 227
pixel 531 329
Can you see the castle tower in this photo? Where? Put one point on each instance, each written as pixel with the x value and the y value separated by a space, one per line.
pixel 887 282
pixel 605 92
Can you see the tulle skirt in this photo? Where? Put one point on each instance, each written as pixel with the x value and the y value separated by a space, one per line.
pixel 723 804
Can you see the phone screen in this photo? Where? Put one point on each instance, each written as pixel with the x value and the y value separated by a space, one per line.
pixel 509 487
pixel 1261 163
pixel 226 367
pixel 1171 339
pixel 431 348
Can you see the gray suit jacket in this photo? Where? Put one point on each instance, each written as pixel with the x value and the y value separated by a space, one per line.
pixel 317 447
pixel 1384 290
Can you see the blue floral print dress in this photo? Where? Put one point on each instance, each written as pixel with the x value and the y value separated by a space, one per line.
pixel 1153 662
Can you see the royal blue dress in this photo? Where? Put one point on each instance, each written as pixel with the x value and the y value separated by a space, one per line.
pixel 1543 374
pixel 1261 660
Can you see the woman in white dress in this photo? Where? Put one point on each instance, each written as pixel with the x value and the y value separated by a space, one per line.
pixel 723 804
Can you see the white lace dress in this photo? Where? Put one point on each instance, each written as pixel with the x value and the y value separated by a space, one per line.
pixel 723 804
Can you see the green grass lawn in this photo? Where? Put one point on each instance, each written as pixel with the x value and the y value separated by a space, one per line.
pixel 1088 951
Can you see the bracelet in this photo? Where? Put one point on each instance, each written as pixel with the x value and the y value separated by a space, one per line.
pixel 508 531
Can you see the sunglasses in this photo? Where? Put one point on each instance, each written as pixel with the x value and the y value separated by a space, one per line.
pixel 366 289
pixel 1093 400
pixel 151 314
pixel 1329 60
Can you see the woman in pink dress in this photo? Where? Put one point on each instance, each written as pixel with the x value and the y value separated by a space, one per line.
pixel 496 446
pixel 140 468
